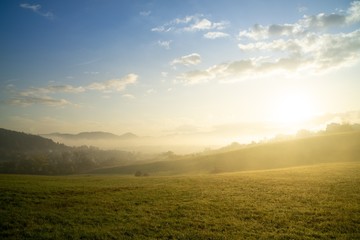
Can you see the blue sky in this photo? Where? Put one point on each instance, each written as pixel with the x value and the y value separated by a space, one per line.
pixel 179 67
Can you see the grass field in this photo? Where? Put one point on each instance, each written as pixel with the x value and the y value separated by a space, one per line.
pixel 320 201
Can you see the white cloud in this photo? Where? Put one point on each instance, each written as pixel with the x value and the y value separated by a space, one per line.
pixel 164 44
pixel 320 21
pixel 323 51
pixel 203 24
pixel 36 8
pixel 315 53
pixel 190 24
pixel 289 48
pixel 114 84
pixel 214 35
pixel 191 59
pixel 353 13
pixel 276 45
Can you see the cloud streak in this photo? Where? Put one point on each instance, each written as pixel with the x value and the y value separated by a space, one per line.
pixel 192 23
pixel 42 95
pixel 215 35
pixel 114 84
pixel 30 100
pixel 36 8
pixel 191 59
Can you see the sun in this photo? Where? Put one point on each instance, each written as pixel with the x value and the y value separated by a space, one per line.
pixel 292 108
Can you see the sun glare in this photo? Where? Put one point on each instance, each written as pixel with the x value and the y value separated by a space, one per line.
pixel 292 108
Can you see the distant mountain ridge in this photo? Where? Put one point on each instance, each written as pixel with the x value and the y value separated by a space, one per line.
pixel 98 135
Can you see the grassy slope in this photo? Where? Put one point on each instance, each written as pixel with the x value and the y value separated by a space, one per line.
pixel 326 148
pixel 321 201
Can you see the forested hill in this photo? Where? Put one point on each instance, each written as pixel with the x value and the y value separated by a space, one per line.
pixel 17 141
pixel 30 154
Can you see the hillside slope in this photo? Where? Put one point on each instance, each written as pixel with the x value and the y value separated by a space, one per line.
pixel 342 147
pixel 17 141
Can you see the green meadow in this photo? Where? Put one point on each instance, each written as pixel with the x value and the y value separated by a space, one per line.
pixel 321 201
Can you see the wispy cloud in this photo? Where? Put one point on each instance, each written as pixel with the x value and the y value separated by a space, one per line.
pixel 164 44
pixel 306 45
pixel 191 24
pixel 215 35
pixel 194 77
pixel 36 8
pixel 44 100
pixel 191 59
pixel 44 95
pixel 114 84
pixel 314 53
pixel 305 25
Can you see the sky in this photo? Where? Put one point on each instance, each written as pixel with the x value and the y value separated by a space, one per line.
pixel 159 67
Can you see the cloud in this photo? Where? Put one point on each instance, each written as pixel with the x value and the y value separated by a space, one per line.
pixel 215 35
pixel 302 9
pixel 353 13
pixel 258 32
pixel 114 84
pixel 42 95
pixel 164 44
pixel 51 89
pixel 290 48
pixel 315 53
pixel 194 77
pixel 305 25
pixel 321 51
pixel 191 59
pixel 64 88
pixel 29 100
pixel 190 24
pixel 36 8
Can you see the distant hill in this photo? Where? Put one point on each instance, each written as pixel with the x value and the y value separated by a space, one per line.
pixel 91 136
pixel 340 147
pixel 23 153
pixel 17 141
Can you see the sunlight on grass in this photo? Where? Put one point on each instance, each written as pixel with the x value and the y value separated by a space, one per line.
pixel 321 201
